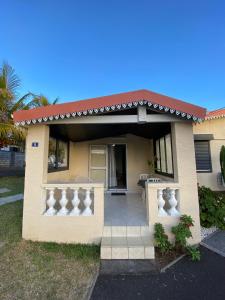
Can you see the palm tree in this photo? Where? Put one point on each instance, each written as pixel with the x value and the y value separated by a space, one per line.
pixel 41 100
pixel 10 102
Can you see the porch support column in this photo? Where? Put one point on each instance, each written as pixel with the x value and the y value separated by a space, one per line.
pixel 185 173
pixel 35 174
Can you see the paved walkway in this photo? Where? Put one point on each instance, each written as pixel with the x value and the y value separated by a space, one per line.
pixel 216 242
pixel 4 190
pixel 202 280
pixel 10 199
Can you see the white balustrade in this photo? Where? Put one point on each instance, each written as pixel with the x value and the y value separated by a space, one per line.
pixel 51 211
pixel 161 204
pixel 69 199
pixel 63 202
pixel 75 202
pixel 173 204
pixel 87 203
pixel 167 202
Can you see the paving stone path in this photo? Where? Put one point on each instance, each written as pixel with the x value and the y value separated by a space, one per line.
pixel 216 242
pixel 10 199
pixel 4 190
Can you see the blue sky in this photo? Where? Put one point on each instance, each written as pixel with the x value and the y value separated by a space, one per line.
pixel 81 49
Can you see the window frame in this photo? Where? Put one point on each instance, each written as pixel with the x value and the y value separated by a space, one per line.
pixel 157 171
pixel 210 157
pixel 57 168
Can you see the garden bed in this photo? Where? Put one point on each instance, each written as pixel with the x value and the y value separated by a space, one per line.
pixel 162 261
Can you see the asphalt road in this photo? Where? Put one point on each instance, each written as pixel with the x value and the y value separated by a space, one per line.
pixel 204 280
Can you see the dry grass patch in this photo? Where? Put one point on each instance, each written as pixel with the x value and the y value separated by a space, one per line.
pixel 31 270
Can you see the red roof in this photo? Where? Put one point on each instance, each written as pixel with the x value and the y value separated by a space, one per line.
pixel 215 114
pixel 84 106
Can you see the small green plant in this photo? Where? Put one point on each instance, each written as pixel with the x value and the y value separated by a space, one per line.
pixel 182 232
pixel 194 253
pixel 222 162
pixel 212 208
pixel 161 239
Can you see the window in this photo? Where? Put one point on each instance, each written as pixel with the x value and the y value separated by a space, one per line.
pixel 163 153
pixel 202 156
pixel 57 155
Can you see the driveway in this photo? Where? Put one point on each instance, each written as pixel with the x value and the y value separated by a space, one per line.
pixel 185 280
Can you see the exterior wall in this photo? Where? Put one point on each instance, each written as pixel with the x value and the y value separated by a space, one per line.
pixel 139 151
pixel 185 179
pixel 36 226
pixel 217 128
pixel 80 229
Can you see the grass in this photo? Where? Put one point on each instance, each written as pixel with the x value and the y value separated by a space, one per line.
pixel 14 183
pixel 33 270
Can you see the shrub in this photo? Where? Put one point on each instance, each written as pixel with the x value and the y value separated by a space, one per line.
pixel 161 239
pixel 212 208
pixel 182 232
pixel 193 252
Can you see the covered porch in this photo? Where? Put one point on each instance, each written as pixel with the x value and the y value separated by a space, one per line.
pixel 69 176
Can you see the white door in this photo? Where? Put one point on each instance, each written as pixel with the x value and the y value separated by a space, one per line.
pixel 98 163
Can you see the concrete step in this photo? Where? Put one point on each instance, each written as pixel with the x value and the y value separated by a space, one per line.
pixel 127 242
pixel 120 231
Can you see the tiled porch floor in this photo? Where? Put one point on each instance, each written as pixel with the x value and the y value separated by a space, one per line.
pixel 125 210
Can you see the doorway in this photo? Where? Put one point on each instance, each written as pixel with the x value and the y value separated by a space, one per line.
pixel 117 167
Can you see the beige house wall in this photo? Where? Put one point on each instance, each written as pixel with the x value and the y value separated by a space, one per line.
pixel 38 227
pixel 217 128
pixel 139 151
pixel 80 229
pixel 185 181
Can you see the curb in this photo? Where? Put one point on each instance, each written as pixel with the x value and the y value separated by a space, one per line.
pixel 213 249
pixel 163 270
pixel 89 293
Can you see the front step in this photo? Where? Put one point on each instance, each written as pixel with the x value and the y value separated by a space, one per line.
pixel 127 242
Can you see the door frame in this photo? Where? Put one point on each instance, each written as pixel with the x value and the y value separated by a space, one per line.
pixel 116 189
pixel 107 165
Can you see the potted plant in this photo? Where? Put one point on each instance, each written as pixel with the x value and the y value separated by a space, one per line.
pixel 222 164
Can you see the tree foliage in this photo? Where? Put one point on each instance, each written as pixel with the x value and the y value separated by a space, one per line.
pixel 11 102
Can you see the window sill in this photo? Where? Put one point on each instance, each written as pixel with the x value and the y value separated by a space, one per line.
pixel 58 169
pixel 165 174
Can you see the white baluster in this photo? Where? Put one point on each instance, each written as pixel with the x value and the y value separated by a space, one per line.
pixel 51 211
pixel 63 202
pixel 161 203
pixel 87 202
pixel 173 204
pixel 75 201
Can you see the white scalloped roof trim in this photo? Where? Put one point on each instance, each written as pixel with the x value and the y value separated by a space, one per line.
pixel 115 107
pixel 215 117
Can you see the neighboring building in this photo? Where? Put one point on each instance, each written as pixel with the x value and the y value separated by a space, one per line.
pixel 209 136
pixel 88 162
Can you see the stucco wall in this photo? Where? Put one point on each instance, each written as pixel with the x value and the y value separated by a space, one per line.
pixel 185 181
pixel 217 128
pixel 139 151
pixel 36 226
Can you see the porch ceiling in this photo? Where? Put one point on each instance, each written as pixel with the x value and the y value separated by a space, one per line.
pixel 83 132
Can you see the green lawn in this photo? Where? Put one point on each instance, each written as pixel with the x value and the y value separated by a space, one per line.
pixel 13 183
pixel 32 270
